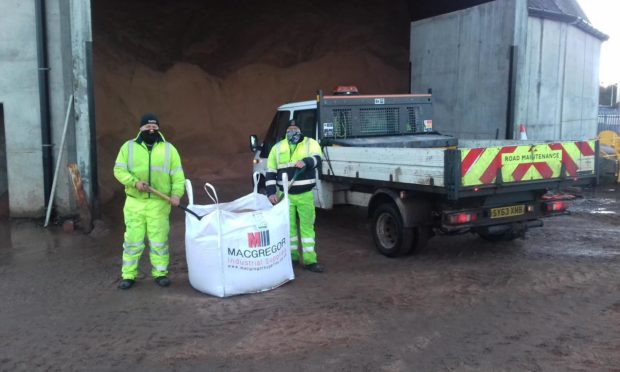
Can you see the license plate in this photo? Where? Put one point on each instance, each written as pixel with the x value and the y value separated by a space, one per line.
pixel 513 210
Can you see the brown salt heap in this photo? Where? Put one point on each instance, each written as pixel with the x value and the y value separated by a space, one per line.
pixel 226 82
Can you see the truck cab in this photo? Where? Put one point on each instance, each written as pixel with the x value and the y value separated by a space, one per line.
pixel 304 114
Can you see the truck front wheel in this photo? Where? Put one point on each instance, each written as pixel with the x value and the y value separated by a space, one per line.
pixel 391 238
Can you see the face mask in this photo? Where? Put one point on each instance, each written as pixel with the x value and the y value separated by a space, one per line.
pixel 150 138
pixel 293 137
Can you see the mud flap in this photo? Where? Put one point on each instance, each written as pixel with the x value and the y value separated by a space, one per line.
pixel 423 234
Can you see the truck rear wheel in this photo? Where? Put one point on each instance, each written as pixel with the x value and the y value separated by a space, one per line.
pixel 391 238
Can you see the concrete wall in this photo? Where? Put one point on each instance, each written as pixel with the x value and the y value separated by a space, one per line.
pixel 465 57
pixel 558 95
pixel 20 99
pixel 68 27
pixel 4 182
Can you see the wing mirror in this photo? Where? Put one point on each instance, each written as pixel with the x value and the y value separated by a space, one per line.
pixel 253 143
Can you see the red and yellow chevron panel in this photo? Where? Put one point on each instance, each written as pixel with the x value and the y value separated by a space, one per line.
pixel 480 166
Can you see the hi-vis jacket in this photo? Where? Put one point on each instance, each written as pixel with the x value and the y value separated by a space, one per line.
pixel 282 158
pixel 160 168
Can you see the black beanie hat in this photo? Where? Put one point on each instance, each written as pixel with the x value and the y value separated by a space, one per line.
pixel 149 119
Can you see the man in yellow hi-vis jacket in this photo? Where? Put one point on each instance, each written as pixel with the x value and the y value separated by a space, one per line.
pixel 148 161
pixel 297 153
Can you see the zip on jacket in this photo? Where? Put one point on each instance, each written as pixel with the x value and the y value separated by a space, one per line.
pixel 160 167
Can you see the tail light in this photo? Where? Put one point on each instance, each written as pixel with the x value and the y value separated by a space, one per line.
pixel 461 218
pixel 555 206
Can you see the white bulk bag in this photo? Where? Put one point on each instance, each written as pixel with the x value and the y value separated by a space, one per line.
pixel 238 247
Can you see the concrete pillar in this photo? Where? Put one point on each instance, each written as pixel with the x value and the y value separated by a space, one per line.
pixel 81 37
pixel 61 87
pixel 519 77
pixel 4 182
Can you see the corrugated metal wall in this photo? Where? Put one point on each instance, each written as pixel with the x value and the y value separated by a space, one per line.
pixel 558 92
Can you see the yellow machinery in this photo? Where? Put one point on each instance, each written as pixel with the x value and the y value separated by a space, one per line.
pixel 610 148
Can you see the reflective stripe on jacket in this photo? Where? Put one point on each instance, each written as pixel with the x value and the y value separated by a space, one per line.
pixel 161 168
pixel 282 159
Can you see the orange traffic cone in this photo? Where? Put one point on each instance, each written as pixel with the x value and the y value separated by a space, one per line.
pixel 522 133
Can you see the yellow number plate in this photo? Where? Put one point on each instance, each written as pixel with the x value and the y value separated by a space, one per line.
pixel 513 210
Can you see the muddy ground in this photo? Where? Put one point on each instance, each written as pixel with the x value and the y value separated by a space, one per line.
pixel 551 302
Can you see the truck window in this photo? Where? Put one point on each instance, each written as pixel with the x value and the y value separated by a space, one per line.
pixel 276 131
pixel 306 121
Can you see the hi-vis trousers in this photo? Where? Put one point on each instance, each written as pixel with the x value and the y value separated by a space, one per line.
pixel 148 217
pixel 302 205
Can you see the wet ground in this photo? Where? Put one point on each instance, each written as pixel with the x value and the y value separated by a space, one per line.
pixel 551 302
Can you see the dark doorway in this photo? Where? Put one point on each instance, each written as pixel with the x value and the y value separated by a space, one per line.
pixel 4 182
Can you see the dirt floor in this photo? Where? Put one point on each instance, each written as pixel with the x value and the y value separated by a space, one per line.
pixel 551 302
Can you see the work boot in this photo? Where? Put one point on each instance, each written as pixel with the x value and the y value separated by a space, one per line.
pixel 315 268
pixel 162 281
pixel 126 283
